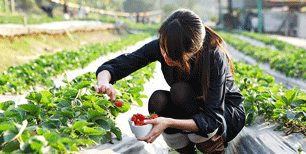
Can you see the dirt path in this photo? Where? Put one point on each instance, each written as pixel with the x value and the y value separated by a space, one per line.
pixel 300 42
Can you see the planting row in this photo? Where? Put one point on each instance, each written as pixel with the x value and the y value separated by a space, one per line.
pixel 63 119
pixel 281 45
pixel 39 72
pixel 265 98
pixel 291 62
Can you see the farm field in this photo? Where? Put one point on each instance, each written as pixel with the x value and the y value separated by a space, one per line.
pixel 73 117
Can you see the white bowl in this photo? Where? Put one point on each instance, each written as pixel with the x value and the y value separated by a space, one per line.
pixel 140 131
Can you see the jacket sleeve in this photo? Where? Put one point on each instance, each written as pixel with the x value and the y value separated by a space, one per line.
pixel 210 118
pixel 128 63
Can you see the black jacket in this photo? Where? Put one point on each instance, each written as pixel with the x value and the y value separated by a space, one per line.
pixel 221 81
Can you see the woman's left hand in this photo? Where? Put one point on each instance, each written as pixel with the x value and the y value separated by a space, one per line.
pixel 159 125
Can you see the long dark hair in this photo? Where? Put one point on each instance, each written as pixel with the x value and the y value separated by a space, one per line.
pixel 182 34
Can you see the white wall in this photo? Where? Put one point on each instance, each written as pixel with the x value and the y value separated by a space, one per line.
pixel 273 20
pixel 301 25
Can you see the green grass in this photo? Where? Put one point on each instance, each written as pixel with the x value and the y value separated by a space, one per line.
pixel 31 19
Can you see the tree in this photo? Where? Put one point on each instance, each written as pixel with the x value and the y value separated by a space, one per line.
pixel 190 4
pixel 48 9
pixel 168 9
pixel 26 4
pixel 138 5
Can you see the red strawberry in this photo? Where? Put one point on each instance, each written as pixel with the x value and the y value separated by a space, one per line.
pixel 149 118
pixel 119 103
pixel 140 117
pixel 137 122
pixel 133 118
pixel 154 116
pixel 142 123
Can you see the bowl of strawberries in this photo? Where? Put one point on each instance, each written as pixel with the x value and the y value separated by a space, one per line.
pixel 138 126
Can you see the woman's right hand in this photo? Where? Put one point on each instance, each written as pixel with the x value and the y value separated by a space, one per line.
pixel 106 88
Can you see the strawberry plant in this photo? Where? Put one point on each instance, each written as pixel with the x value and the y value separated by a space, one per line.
pixel 39 72
pixel 288 61
pixel 63 119
pixel 272 101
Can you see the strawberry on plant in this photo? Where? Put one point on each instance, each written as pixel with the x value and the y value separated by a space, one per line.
pixel 119 103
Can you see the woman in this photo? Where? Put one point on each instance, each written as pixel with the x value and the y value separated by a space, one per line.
pixel 198 70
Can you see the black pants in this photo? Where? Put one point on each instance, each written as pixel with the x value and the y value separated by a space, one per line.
pixel 178 103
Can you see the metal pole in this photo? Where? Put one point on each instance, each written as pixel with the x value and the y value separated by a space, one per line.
pixel 259 8
pixel 220 12
pixel 243 14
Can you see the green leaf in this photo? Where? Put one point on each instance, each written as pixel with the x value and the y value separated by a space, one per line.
pixel 34 96
pixel 92 98
pixel 63 104
pixel 9 135
pixel 104 138
pixel 83 117
pixel 83 84
pixel 8 105
pixel 89 142
pixel 65 79
pixel 46 96
pixel 98 108
pixel 139 102
pixel 275 88
pixel 103 124
pixel 26 135
pixel 299 114
pixel 49 125
pixel 134 90
pixel 74 148
pixel 91 131
pixel 42 131
pixel 299 102
pixel 117 132
pixel 79 124
pixel 71 93
pixel 93 114
pixel 51 137
pixel 7 125
pixel 10 147
pixel 66 112
pixel 115 112
pixel 290 115
pixel 143 96
pixel 124 108
pixel 33 109
pixel 103 102
pixel 96 138
pixel 36 145
pixel 290 96
pixel 10 114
